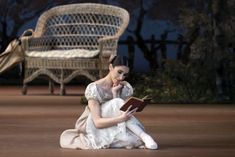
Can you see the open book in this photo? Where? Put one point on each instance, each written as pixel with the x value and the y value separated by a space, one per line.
pixel 135 103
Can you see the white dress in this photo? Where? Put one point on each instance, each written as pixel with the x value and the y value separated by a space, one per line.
pixel 87 136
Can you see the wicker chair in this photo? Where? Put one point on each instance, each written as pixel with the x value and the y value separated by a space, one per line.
pixel 72 40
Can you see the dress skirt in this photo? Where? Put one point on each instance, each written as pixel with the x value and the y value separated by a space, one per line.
pixel 87 136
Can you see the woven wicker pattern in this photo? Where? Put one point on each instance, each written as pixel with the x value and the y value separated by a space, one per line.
pixel 86 26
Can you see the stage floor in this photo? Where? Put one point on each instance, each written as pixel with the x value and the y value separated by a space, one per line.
pixel 30 126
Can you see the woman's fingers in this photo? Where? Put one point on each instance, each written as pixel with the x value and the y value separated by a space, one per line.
pixel 128 109
pixel 134 110
pixel 129 113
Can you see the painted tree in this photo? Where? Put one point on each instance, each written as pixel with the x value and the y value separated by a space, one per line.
pixel 208 57
pixel 17 13
pixel 156 10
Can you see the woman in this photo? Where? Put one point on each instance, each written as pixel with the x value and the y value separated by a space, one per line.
pixel 103 124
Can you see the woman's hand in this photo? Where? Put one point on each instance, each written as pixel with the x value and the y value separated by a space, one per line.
pixel 125 116
pixel 116 89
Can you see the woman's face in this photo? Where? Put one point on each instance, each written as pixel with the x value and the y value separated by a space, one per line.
pixel 118 73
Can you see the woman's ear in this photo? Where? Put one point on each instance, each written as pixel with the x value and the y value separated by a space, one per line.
pixel 110 67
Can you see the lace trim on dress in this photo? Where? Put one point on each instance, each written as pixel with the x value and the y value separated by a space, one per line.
pixel 127 91
pixel 91 92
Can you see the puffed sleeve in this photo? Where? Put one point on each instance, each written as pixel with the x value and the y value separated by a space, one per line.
pixel 91 92
pixel 127 91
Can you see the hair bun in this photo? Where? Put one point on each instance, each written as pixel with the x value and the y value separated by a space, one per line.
pixel 112 57
pixel 117 60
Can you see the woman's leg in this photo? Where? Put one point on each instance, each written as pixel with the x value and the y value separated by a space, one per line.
pixel 114 110
pixel 147 139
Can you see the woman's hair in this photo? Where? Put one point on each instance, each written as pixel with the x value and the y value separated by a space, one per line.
pixel 119 61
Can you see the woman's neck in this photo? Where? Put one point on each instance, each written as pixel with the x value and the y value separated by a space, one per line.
pixel 106 81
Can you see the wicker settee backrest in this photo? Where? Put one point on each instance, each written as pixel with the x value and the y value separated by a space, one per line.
pixel 78 26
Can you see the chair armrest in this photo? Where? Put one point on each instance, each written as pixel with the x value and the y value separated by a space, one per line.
pixel 108 45
pixel 39 43
pixel 27 32
pixel 25 36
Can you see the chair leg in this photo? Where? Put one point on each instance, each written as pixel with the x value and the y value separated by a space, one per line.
pixel 24 89
pixel 101 73
pixel 51 86
pixel 62 89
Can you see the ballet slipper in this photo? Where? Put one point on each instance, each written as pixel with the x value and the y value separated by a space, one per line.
pixel 148 141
